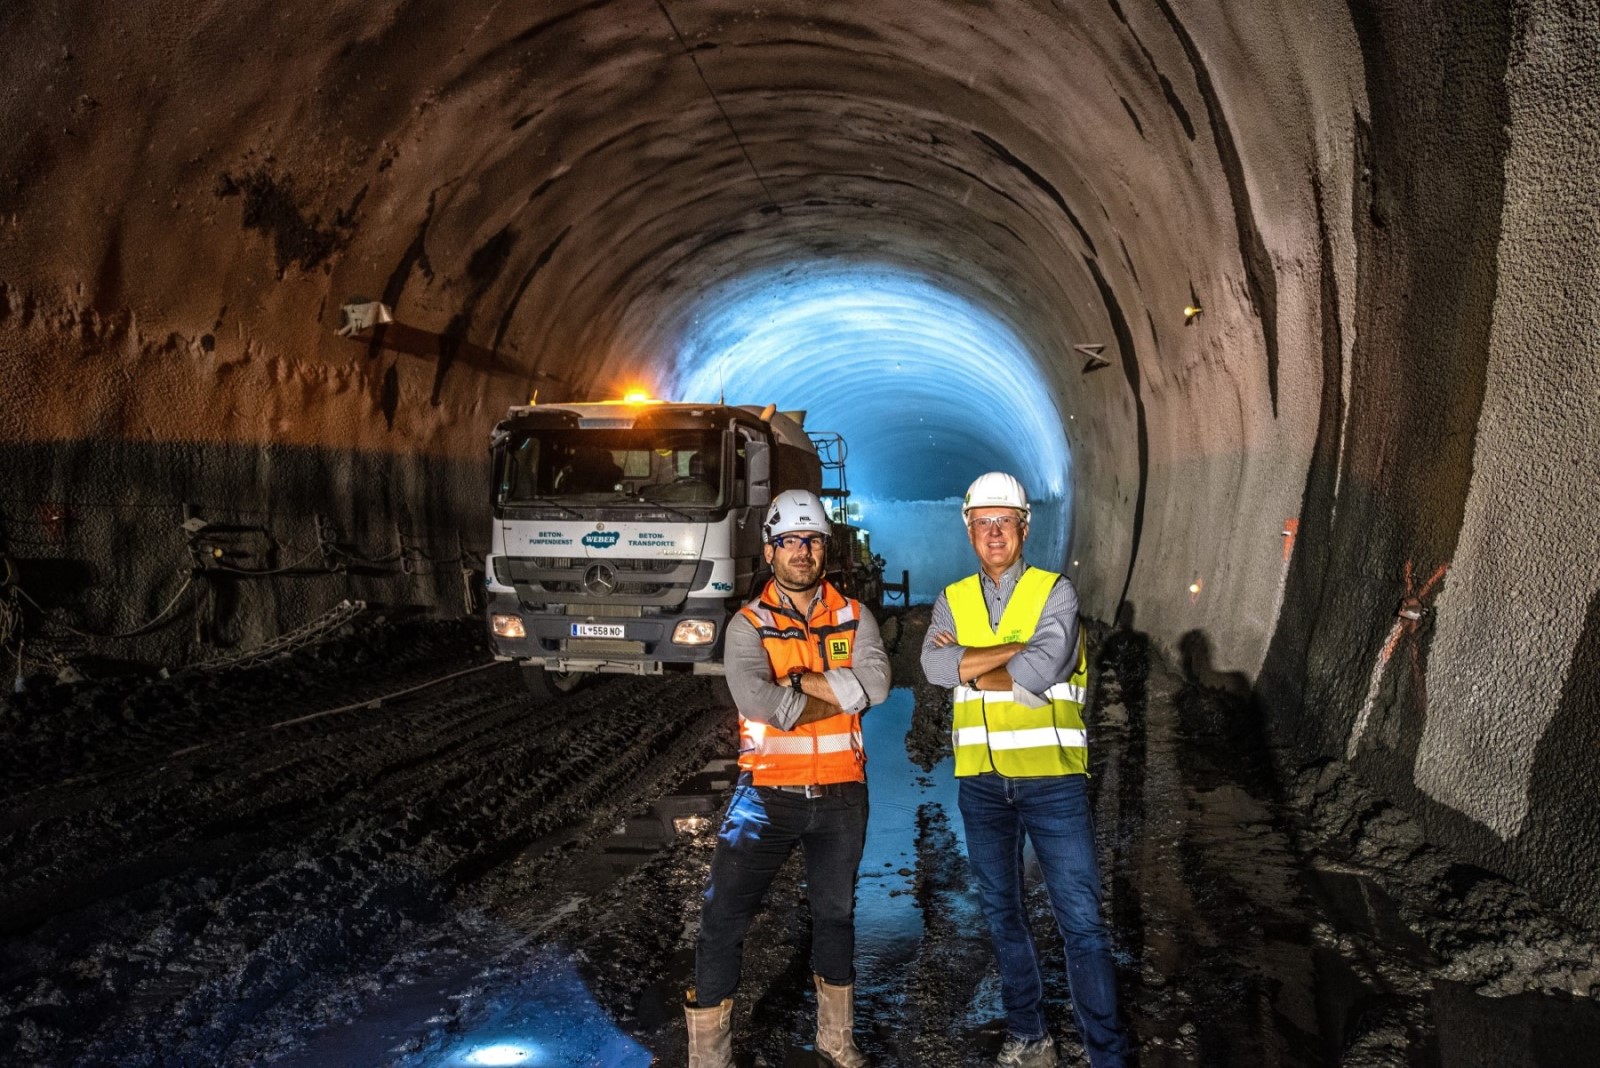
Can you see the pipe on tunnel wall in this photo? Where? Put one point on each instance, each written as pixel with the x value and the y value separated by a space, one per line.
pixel 1386 211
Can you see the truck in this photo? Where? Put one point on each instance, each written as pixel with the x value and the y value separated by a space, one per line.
pixel 627 533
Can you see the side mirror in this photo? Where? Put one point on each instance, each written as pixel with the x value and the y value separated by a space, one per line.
pixel 758 463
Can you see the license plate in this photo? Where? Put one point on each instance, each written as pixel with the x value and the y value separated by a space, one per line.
pixel 597 630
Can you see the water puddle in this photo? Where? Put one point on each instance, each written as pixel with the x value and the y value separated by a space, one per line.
pixel 695 806
pixel 547 1019
pixel 889 924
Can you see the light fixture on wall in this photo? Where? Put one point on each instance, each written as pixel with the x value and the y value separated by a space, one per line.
pixel 1189 313
pixel 362 315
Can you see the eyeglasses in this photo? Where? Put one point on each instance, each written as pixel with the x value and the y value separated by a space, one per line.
pixel 985 523
pixel 790 542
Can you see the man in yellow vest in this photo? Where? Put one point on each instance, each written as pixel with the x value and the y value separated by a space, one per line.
pixel 803 662
pixel 1007 643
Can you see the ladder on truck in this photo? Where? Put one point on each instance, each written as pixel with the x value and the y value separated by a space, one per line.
pixel 831 452
pixel 851 564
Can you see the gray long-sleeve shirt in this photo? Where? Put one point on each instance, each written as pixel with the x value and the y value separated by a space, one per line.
pixel 763 699
pixel 1036 668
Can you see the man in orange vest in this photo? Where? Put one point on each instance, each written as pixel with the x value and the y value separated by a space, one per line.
pixel 803 662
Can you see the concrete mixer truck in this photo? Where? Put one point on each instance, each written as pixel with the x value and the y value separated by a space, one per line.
pixel 626 533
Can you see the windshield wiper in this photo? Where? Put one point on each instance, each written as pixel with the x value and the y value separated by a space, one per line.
pixel 647 502
pixel 546 502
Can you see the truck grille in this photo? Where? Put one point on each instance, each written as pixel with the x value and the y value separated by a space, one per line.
pixel 567 563
pixel 589 586
pixel 602 647
pixel 601 608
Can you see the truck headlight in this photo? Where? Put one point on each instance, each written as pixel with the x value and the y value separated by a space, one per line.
pixel 694 632
pixel 507 626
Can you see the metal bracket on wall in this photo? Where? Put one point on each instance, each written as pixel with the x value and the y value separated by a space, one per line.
pixel 328 543
pixel 407 563
pixel 1095 361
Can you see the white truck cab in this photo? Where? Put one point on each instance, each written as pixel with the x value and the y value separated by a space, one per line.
pixel 627 533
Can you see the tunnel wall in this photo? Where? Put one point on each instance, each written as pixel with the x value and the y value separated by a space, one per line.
pixel 1456 465
pixel 98 474
pixel 94 530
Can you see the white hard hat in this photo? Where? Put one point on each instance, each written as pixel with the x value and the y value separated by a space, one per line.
pixel 996 490
pixel 794 510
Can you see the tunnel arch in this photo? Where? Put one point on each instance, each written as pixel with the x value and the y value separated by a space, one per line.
pixel 1381 210
pixel 929 390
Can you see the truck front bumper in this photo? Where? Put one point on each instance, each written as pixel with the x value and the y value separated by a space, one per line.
pixel 645 646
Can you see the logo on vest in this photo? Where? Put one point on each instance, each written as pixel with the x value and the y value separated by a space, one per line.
pixel 838 648
pixel 601 539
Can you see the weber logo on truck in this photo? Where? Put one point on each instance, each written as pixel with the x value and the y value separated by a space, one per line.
pixel 601 539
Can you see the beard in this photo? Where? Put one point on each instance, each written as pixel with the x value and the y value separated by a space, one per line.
pixel 797 579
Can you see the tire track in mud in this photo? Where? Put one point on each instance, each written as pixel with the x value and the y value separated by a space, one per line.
pixel 152 917
pixel 93 731
pixel 188 814
pixel 213 909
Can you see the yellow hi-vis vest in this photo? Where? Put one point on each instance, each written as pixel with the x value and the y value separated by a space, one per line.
pixel 990 731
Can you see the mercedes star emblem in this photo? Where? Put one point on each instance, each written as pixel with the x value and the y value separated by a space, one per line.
pixel 600 580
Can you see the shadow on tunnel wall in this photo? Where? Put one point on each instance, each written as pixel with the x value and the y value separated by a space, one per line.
pixel 277 536
pixel 1564 809
pixel 1195 661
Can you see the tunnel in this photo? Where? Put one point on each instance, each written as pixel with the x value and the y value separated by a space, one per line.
pixel 1283 312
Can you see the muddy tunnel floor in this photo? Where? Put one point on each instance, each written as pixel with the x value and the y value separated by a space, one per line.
pixel 381 851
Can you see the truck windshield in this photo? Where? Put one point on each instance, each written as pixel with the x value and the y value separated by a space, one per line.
pixel 593 466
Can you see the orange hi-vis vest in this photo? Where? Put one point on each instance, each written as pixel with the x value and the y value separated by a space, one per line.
pixel 814 754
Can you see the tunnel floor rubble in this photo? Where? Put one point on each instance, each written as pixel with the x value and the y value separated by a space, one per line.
pixel 285 865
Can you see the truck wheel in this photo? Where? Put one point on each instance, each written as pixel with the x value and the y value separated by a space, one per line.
pixel 549 685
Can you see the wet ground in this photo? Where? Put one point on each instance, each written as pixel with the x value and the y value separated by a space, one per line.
pixel 304 864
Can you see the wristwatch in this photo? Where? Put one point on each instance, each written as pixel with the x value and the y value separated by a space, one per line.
pixel 794 681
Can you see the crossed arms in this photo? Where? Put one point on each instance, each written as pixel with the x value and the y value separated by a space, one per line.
pixel 1031 667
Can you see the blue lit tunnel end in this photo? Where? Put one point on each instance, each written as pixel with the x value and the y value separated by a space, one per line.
pixel 929 389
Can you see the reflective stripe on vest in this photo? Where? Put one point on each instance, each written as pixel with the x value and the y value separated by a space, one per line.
pixel 1027 739
pixel 990 731
pixel 829 750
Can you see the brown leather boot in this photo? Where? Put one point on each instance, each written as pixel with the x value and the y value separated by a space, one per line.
pixel 836 1012
pixel 710 1034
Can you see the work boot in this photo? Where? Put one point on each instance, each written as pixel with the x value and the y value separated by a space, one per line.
pixel 710 1034
pixel 1025 1053
pixel 836 1013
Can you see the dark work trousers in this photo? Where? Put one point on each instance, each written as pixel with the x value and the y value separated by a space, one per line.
pixel 1053 813
pixel 761 829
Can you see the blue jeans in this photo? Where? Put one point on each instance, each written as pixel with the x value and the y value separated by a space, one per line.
pixel 1054 813
pixel 761 829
